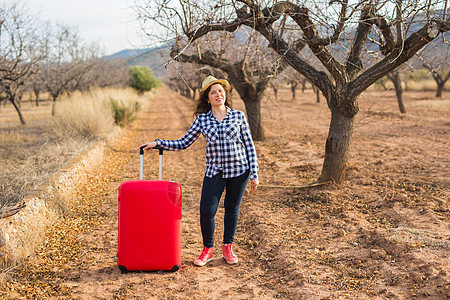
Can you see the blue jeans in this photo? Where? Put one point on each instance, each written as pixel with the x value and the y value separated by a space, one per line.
pixel 211 192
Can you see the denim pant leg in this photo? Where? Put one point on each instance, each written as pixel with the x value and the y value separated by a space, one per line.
pixel 234 191
pixel 211 192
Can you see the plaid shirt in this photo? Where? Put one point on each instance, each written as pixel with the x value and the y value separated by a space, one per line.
pixel 229 144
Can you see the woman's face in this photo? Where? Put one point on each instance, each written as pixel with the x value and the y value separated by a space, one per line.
pixel 216 95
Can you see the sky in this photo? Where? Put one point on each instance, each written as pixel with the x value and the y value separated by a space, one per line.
pixel 107 22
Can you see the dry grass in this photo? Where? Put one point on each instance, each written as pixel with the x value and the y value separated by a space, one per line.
pixel 426 85
pixel 415 85
pixel 33 152
pixel 91 114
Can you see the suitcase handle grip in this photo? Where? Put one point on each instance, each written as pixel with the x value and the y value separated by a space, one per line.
pixel 141 162
pixel 158 147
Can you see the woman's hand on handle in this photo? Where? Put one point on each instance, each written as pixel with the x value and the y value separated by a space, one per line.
pixel 254 184
pixel 149 145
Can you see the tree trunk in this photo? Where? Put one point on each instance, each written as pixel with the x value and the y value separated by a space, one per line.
pixel 253 109
pixel 37 98
pixel 395 77
pixel 337 147
pixel 303 86
pixel 293 88
pixel 54 106
pixel 440 89
pixel 16 106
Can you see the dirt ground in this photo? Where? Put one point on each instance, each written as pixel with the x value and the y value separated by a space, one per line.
pixel 382 234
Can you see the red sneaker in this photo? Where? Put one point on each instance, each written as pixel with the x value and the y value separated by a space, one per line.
pixel 228 254
pixel 205 257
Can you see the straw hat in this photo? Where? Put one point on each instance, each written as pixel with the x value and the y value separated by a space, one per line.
pixel 210 80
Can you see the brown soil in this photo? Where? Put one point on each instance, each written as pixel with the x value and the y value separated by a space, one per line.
pixel 384 233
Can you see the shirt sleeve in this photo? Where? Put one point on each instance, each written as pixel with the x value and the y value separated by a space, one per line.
pixel 250 148
pixel 187 140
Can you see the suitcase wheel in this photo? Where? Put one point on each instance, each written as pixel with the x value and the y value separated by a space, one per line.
pixel 175 268
pixel 123 269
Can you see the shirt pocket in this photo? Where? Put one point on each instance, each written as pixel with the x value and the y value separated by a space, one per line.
pixel 232 131
pixel 210 133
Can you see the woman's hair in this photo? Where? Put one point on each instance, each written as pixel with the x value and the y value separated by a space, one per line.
pixel 202 105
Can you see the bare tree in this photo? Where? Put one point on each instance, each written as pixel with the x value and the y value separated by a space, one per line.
pixel 18 43
pixel 65 61
pixel 293 79
pixel 435 58
pixel 395 77
pixel 441 78
pixel 248 69
pixel 184 77
pixel 242 55
pixel 85 68
pixel 276 82
pixel 35 85
pixel 109 73
pixel 337 33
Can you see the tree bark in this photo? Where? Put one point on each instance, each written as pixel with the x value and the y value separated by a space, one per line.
pixel 337 147
pixel 253 109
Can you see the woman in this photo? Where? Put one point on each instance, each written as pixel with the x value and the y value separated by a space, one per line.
pixel 230 162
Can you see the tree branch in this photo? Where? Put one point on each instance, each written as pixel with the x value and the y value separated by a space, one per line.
pixel 389 41
pixel 399 55
pixel 354 64
pixel 315 43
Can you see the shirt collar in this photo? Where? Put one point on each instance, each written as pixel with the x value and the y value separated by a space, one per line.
pixel 210 114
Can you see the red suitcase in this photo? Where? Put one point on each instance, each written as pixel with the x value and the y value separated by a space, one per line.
pixel 149 223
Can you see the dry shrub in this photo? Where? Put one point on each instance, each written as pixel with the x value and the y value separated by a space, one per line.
pixel 84 114
pixel 91 115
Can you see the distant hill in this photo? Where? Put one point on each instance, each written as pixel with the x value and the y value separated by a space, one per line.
pixel 155 58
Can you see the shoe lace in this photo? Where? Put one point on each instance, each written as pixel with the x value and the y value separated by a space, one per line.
pixel 229 251
pixel 204 253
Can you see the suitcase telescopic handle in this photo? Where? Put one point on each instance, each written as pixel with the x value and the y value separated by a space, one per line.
pixel 141 163
pixel 158 147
